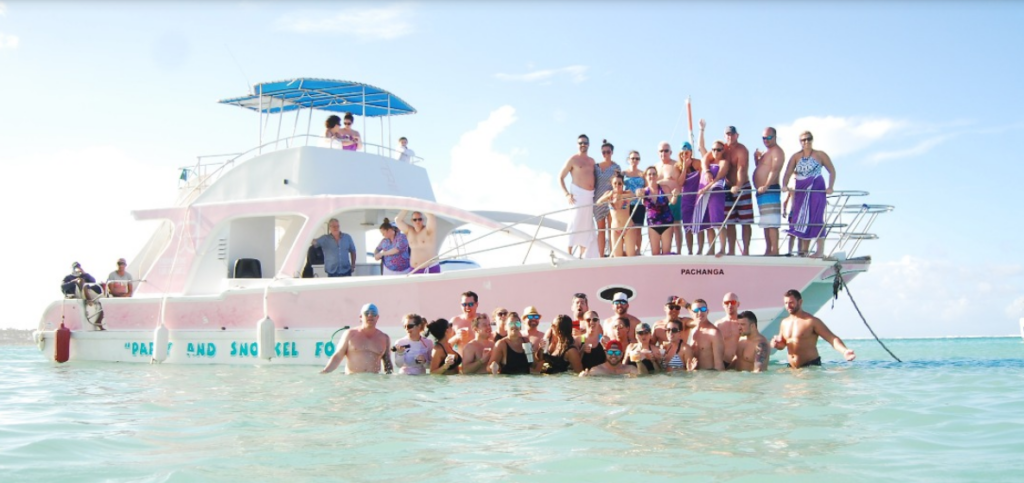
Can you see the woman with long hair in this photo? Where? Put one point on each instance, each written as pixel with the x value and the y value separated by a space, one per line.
pixel 616 200
pixel 634 180
pixel 710 206
pixel 603 174
pixel 412 352
pixel 510 353
pixel 659 215
pixel 347 137
pixel 643 351
pixel 561 354
pixel 443 359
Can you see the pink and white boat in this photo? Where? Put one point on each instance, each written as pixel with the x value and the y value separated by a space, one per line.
pixel 269 203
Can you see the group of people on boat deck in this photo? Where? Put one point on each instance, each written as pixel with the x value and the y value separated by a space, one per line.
pixel 473 343
pixel 80 284
pixel 696 196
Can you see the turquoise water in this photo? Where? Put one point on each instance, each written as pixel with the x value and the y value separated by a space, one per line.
pixel 953 411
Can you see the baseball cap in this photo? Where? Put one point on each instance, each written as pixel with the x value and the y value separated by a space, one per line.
pixel 620 297
pixel 731 130
pixel 369 309
pixel 614 345
pixel 672 299
pixel 643 327
pixel 76 265
pixel 121 260
pixel 687 147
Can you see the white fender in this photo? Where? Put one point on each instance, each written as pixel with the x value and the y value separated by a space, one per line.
pixel 160 336
pixel 265 338
pixel 37 336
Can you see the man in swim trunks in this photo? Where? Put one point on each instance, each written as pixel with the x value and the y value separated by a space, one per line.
pixel 620 302
pixel 668 177
pixel 707 340
pixel 365 347
pixel 767 172
pixel 580 193
pixel 422 241
pixel 613 365
pixel 739 199
pixel 752 351
pixel 729 326
pixel 799 333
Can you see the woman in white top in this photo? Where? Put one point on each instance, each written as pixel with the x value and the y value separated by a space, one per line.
pixel 412 352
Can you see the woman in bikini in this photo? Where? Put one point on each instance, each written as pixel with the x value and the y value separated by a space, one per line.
pixel 348 138
pixel 561 354
pixel 603 174
pixel 618 205
pixel 634 179
pixel 509 355
pixel 659 214
pixel 443 359
pixel 678 354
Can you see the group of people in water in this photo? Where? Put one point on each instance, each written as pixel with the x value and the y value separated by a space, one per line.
pixel 696 196
pixel 582 343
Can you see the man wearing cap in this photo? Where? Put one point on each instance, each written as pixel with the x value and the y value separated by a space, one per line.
pixel 620 302
pixel 729 326
pixel 339 250
pixel 119 282
pixel 366 347
pixel 767 171
pixel 707 341
pixel 668 179
pixel 80 284
pixel 752 352
pixel 739 199
pixel 673 306
pixel 613 365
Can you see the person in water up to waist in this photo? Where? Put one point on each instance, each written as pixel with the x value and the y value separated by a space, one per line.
pixel 365 347
pixel 799 333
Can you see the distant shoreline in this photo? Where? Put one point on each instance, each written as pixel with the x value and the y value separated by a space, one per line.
pixel 15 337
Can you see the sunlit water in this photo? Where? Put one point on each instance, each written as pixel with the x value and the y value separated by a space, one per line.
pixel 952 411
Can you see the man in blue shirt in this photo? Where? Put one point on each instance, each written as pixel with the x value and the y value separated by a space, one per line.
pixel 335 244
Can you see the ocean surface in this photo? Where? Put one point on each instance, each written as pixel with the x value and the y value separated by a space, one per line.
pixel 953 410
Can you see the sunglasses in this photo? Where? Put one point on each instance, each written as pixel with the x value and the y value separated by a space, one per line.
pixel 806 140
pixel 613 352
pixel 583 144
pixel 717 150
pixel 767 138
pixel 417 219
pixel 515 325
pixel 370 313
pixel 731 302
pixel 665 151
pixel 674 330
pixel 673 307
pixel 643 332
pixel 468 304
pixel 698 310
pixel 634 159
pixel 606 152
pixel 593 319
pixel 348 123
pixel 533 317
pixel 502 314
pixel 619 302
pixel 411 326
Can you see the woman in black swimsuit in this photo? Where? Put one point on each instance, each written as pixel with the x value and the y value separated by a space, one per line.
pixel 593 351
pixel 443 358
pixel 643 351
pixel 509 356
pixel 561 354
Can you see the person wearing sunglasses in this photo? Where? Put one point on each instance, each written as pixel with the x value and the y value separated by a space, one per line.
pixel 673 306
pixel 799 333
pixel 616 200
pixel 767 176
pixel 710 205
pixel 678 355
pixel 412 352
pixel 689 182
pixel 633 180
pixel 580 194
pixel 464 320
pixel 499 316
pixel 510 353
pixel 808 215
pixel 707 340
pixel 346 136
pixel 533 334
pixel 366 347
pixel 421 238
pixel 604 172
pixel 590 343
pixel 444 359
pixel 669 177
pixel 729 326
pixel 477 352
pixel 643 352
pixel 620 304
pixel 752 352
pixel 562 353
pixel 613 365
pixel 739 200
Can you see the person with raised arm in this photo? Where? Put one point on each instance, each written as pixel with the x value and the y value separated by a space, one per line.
pixel 768 166
pixel 707 340
pixel 689 182
pixel 752 351
pixel 365 347
pixel 617 201
pixel 444 360
pixel 810 198
pixel 477 352
pixel 580 194
pixel 669 177
pixel 710 205
pixel 512 354
pixel 421 235
pixel 799 332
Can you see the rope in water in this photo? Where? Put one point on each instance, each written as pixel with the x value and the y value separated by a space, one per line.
pixel 839 284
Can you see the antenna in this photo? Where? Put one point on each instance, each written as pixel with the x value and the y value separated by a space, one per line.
pixel 230 54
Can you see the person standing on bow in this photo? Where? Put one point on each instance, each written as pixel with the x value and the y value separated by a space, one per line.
pixel 580 194
pixel 808 212
pixel 604 172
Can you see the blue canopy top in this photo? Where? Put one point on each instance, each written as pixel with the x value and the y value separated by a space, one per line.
pixel 325 95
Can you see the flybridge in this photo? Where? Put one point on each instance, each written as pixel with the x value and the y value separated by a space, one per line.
pixel 324 95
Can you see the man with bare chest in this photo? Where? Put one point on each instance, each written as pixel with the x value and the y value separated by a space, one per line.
pixel 670 180
pixel 422 241
pixel 580 193
pixel 767 171
pixel 620 304
pixel 752 351
pixel 729 326
pixel 707 340
pixel 740 198
pixel 799 333
pixel 366 347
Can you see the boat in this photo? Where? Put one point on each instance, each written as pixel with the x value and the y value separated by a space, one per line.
pixel 219 281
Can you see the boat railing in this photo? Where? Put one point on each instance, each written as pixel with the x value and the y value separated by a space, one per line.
pixel 845 226
pixel 208 168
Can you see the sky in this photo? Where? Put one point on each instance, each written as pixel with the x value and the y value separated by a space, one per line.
pixel 917 103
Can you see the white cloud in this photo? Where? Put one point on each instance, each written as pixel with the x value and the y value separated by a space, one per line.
pixel 576 74
pixel 839 135
pixel 380 23
pixel 1016 308
pixel 3 9
pixel 9 42
pixel 913 151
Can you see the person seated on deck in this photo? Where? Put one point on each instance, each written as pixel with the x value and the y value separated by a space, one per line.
pixel 613 365
pixel 119 282
pixel 80 285
pixel 348 138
